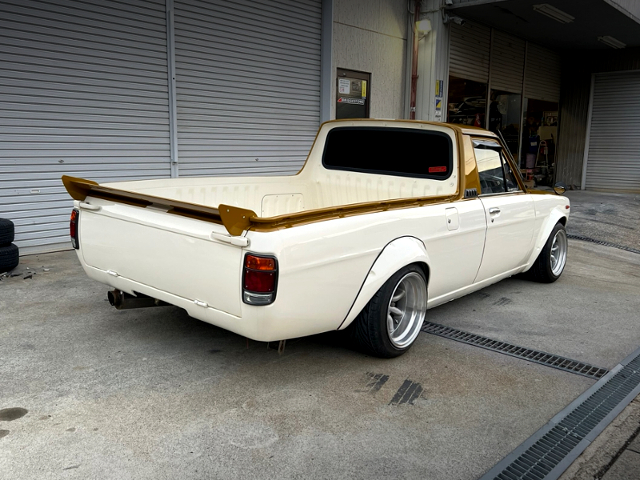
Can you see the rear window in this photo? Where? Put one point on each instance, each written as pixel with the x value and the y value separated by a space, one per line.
pixel 405 152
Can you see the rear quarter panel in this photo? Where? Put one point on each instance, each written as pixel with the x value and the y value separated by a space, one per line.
pixel 323 265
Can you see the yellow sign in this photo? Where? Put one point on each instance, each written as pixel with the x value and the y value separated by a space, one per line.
pixel 439 88
pixel 364 89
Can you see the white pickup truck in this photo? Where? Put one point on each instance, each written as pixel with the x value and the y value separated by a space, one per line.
pixel 385 220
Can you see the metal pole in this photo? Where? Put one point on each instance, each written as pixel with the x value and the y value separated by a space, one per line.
pixel 414 62
pixel 171 68
pixel 488 97
pixel 587 138
pixel 521 155
pixel 326 69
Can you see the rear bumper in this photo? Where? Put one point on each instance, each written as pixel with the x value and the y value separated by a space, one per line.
pixel 246 327
pixel 261 323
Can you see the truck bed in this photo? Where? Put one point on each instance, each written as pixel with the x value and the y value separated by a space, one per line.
pixel 274 196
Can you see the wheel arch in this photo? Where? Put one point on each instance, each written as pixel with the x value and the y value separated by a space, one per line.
pixel 556 216
pixel 424 266
pixel 397 254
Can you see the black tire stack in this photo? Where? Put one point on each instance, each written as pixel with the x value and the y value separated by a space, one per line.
pixel 9 253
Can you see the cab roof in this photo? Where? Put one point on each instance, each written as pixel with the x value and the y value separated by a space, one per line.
pixel 465 129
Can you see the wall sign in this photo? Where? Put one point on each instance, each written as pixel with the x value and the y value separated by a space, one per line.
pixel 344 86
pixel 352 95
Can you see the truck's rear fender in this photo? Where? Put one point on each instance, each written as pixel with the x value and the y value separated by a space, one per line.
pixel 557 214
pixel 395 255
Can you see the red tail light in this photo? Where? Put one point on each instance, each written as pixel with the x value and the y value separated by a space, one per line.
pixel 259 280
pixel 73 228
pixel 262 282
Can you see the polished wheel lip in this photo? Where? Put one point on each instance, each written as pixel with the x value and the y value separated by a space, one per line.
pixel 558 253
pixel 406 310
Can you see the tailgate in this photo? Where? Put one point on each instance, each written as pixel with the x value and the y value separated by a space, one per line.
pixel 167 252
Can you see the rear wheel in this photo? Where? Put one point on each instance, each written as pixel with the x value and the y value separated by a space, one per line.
pixel 391 321
pixel 550 263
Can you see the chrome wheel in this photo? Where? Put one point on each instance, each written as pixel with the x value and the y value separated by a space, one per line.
pixel 407 309
pixel 558 256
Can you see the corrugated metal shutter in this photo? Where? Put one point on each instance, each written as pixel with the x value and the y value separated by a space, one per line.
pixel 83 92
pixel 507 62
pixel 614 145
pixel 542 74
pixel 248 85
pixel 469 51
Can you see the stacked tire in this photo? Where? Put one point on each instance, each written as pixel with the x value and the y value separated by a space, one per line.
pixel 9 253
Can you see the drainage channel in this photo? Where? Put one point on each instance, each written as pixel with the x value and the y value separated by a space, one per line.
pixel 550 451
pixel 603 243
pixel 531 355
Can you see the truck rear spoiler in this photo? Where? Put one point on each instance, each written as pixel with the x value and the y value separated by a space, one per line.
pixel 234 219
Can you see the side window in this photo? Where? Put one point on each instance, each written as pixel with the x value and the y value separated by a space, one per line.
pixel 512 184
pixel 494 171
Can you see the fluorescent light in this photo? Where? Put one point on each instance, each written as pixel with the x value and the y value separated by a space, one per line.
pixel 612 42
pixel 554 13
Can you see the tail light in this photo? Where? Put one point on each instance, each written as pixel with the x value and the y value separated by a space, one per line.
pixel 259 279
pixel 73 228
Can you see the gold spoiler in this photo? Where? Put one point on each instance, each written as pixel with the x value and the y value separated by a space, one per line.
pixel 234 219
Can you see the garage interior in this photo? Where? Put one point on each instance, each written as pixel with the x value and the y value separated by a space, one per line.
pixel 558 81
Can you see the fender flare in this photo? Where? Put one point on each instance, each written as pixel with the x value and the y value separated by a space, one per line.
pixel 395 255
pixel 555 216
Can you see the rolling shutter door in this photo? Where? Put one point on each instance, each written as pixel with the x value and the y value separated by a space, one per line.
pixel 613 161
pixel 542 74
pixel 247 84
pixel 507 62
pixel 469 51
pixel 84 93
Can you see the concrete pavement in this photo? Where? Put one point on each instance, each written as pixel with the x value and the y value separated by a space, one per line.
pixel 610 217
pixel 614 218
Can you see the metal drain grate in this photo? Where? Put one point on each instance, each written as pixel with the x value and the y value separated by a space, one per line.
pixel 548 453
pixel 601 242
pixel 529 354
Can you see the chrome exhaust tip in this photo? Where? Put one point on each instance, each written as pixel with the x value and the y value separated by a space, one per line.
pixel 115 298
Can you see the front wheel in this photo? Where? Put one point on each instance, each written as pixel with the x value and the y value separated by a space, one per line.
pixel 391 321
pixel 550 263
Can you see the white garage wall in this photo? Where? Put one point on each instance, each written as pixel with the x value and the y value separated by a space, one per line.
pixel 613 154
pixel 248 85
pixel 83 92
pixel 371 36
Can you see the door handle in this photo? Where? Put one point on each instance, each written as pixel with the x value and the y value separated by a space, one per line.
pixel 494 210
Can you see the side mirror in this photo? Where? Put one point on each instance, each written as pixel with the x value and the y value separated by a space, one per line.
pixel 559 188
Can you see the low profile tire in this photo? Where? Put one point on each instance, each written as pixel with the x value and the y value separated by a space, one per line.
pixel 9 257
pixel 7 232
pixel 391 321
pixel 550 263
